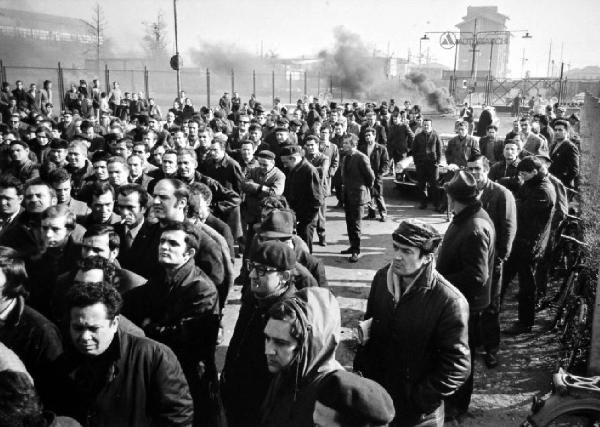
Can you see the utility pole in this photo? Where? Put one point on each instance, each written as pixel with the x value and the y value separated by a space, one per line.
pixel 177 49
pixel 549 59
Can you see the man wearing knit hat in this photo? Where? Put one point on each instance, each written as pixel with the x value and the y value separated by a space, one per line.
pixel 245 378
pixel 415 341
pixel 346 399
pixel 466 259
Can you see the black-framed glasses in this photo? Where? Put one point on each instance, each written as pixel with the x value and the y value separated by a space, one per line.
pixel 261 270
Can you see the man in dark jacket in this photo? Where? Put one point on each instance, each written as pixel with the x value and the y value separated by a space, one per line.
pixel 380 134
pixel 180 308
pixel 499 203
pixel 491 146
pixel 420 356
pixel 400 137
pixel 109 377
pixel 28 333
pixel 535 205
pixel 245 378
pixel 21 166
pixel 303 190
pixel 466 259
pixel 505 172
pixel 379 160
pixel 564 155
pixel 461 147
pixel 357 179
pixel 427 154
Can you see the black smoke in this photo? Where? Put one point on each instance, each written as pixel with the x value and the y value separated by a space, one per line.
pixel 350 62
pixel 436 97
pixel 223 57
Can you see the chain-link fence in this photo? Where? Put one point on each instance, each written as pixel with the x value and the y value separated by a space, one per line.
pixel 203 86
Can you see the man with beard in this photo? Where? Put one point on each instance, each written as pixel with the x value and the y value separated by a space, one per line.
pixel 302 190
pixel 438 362
pixel 245 377
pixel 491 147
pixel 499 203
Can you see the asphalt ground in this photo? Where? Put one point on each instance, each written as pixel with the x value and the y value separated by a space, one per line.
pixel 502 395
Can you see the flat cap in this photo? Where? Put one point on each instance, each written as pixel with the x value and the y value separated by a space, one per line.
pixel 290 150
pixel 281 129
pixel 357 399
pixel 266 154
pixel 275 254
pixel 412 232
pixel 463 187
pixel 278 224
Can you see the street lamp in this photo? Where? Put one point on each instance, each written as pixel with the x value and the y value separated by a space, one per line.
pixel 420 44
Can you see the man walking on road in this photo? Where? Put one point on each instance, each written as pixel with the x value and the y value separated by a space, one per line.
pixel 427 153
pixel 379 160
pixel 357 178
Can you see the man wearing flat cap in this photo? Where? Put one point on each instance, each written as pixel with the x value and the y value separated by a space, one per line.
pixel 415 340
pixel 260 182
pixel 245 378
pixel 303 190
pixel 346 399
pixel 466 259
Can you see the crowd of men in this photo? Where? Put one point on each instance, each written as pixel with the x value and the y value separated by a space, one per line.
pixel 119 230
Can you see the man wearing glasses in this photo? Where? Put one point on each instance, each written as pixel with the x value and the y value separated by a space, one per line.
pixel 245 377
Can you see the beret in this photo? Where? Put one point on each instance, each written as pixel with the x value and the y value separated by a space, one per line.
pixel 266 154
pixel 275 254
pixel 290 150
pixel 462 187
pixel 355 398
pixel 278 224
pixel 412 232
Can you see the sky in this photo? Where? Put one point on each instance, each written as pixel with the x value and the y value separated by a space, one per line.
pixel 293 28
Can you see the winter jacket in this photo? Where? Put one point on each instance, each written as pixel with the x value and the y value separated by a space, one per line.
pixel 466 256
pixel 499 203
pixel 136 382
pixel 418 348
pixel 427 148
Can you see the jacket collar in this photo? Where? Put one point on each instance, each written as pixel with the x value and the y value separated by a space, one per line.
pixel 181 274
pixel 467 212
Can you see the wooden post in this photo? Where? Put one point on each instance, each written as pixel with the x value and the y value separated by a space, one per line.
pixel 290 87
pixel 232 81
pixel 61 87
pixel 273 86
pixel 254 82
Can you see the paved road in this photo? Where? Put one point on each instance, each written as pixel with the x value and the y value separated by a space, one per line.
pixel 502 396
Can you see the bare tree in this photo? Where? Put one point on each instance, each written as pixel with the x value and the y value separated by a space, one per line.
pixel 155 38
pixel 96 28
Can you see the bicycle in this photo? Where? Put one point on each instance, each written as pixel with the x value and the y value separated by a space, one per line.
pixel 563 255
pixel 575 401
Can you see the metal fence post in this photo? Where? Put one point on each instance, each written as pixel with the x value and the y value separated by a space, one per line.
pixel 232 81
pixel 208 88
pixel 290 87
pixel 331 85
pixel 146 85
pixel 107 78
pixel 318 84
pixel 273 85
pixel 2 71
pixel 61 87
pixel 254 82
pixel 305 84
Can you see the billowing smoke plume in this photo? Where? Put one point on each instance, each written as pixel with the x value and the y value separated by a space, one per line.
pixel 349 62
pixel 436 97
pixel 222 58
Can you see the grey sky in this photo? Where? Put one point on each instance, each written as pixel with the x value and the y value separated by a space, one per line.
pixel 303 27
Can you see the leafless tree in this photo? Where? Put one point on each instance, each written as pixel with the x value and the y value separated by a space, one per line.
pixel 96 28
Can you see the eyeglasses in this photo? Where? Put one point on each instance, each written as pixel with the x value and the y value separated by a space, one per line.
pixel 261 270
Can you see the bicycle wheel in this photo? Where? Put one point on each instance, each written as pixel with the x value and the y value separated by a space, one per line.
pixel 576 418
pixel 563 298
pixel 574 335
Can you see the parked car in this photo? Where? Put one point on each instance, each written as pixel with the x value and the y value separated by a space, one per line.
pixel 405 172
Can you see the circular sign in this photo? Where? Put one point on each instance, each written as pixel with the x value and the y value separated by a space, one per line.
pixel 448 40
